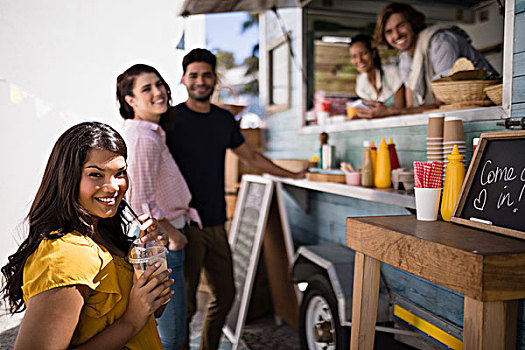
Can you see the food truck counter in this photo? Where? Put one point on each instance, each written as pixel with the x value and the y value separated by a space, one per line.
pixel 467 115
pixel 386 196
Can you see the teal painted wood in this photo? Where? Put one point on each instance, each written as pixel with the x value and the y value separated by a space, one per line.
pixel 441 302
pixel 518 89
pixel 325 219
pixel 518 110
pixel 520 6
pixel 519 32
pixel 518 66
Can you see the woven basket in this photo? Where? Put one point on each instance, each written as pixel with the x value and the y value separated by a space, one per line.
pixel 462 90
pixel 495 93
pixel 464 105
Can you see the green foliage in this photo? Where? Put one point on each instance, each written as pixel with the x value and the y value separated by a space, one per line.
pixel 252 64
pixel 252 20
pixel 225 59
pixel 252 88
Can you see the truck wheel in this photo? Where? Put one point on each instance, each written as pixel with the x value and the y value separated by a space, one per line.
pixel 319 319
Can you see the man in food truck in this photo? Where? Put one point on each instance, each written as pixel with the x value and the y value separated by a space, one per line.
pixel 425 54
pixel 198 134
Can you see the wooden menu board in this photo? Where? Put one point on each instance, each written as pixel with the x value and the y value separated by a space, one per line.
pixel 246 237
pixel 493 195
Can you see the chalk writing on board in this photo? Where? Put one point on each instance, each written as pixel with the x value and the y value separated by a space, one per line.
pixel 499 179
pixel 494 190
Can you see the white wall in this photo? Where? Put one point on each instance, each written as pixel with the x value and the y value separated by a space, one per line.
pixel 65 56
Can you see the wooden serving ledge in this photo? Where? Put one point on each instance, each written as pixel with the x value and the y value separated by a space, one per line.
pixel 489 269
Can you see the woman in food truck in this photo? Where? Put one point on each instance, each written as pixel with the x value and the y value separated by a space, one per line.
pixel 375 82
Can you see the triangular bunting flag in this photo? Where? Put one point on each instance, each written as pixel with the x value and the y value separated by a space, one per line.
pixel 42 108
pixel 181 45
pixel 16 95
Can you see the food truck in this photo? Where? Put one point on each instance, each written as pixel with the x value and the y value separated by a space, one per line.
pixel 304 67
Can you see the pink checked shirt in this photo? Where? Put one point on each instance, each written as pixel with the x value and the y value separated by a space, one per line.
pixel 156 184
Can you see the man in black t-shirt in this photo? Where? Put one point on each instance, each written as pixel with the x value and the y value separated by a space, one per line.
pixel 198 134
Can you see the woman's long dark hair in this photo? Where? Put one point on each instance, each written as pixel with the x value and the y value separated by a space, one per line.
pixel 368 41
pixel 126 82
pixel 56 205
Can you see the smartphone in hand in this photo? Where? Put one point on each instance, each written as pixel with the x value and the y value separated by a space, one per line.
pixel 360 104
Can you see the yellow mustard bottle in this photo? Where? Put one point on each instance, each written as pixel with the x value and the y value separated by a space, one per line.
pixel 373 155
pixel 454 176
pixel 383 170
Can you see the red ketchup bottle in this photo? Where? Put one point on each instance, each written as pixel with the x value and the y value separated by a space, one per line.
pixel 394 161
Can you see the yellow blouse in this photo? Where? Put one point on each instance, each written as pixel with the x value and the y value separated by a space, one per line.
pixel 77 259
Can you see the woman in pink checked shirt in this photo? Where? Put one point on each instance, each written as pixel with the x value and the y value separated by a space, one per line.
pixel 157 186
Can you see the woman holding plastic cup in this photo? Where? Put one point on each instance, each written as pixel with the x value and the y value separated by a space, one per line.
pixel 70 274
pixel 157 186
pixel 376 84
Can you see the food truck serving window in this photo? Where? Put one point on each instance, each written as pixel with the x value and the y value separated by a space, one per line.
pixel 331 76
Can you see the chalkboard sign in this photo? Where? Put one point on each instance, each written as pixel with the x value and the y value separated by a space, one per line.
pixel 493 195
pixel 245 238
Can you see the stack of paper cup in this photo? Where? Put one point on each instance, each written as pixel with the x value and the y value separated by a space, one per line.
pixel 435 137
pixel 453 135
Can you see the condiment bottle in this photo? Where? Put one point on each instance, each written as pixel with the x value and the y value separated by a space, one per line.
pixel 394 161
pixel 367 172
pixel 383 170
pixel 323 138
pixel 373 153
pixel 454 176
pixel 475 142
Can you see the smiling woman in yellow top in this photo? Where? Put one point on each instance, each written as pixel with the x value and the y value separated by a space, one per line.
pixel 70 272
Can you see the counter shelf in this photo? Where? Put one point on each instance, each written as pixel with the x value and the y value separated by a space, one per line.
pixel 386 196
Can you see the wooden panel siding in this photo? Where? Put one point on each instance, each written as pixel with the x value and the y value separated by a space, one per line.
pixel 519 30
pixel 438 300
pixel 324 221
pixel 518 110
pixel 518 89
pixel 520 6
pixel 518 67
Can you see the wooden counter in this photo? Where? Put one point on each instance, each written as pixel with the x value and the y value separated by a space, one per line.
pixel 489 269
pixel 467 115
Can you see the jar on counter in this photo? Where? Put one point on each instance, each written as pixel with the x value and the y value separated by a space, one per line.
pixel 367 172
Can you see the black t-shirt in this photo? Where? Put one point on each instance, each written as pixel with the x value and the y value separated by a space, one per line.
pixel 198 143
